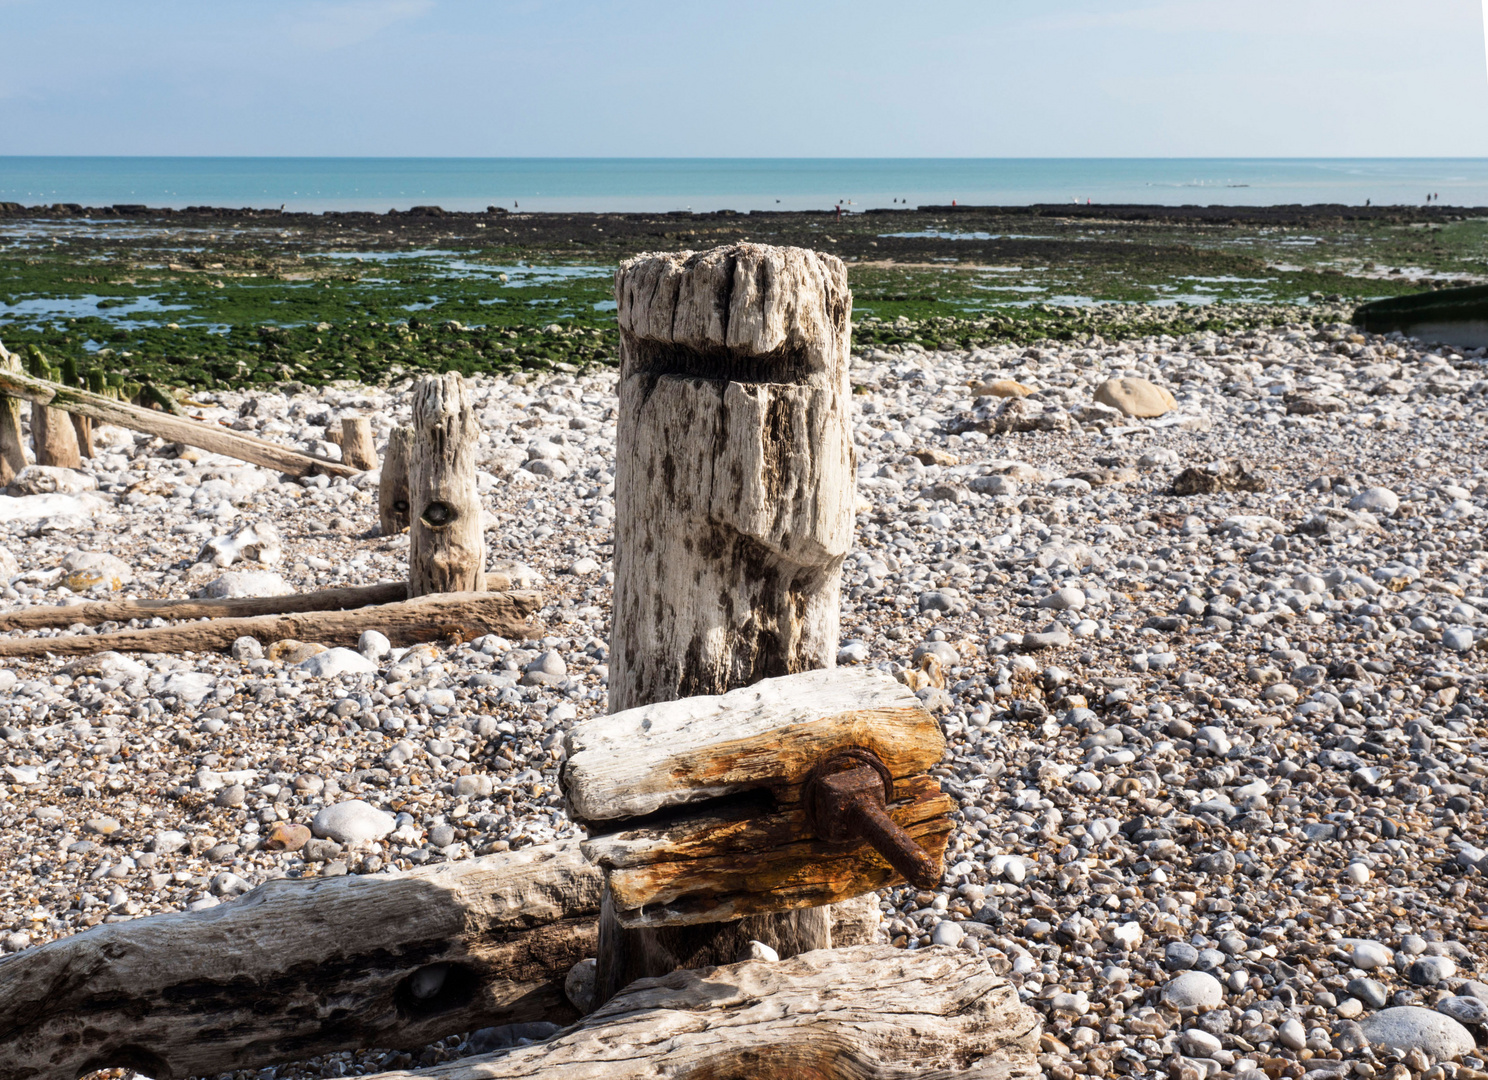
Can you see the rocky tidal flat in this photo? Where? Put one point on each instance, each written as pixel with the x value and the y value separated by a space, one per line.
pixel 1203 618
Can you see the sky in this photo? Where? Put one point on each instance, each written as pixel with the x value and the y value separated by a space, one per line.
pixel 770 78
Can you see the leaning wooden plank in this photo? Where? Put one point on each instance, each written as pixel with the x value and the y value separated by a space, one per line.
pixel 867 1013
pixel 101 611
pixel 768 736
pixel 427 618
pixel 297 968
pixel 179 429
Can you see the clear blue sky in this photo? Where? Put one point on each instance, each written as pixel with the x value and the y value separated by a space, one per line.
pixel 869 78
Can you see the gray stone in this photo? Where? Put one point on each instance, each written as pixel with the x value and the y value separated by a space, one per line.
pixel 1377 500
pixel 1200 1043
pixel 373 645
pixel 1292 1034
pixel 352 822
pixel 1371 992
pixel 1430 970
pixel 947 932
pixel 1179 956
pixel 1465 1010
pixel 337 661
pixel 1409 1027
pixel 578 987
pixel 1457 638
pixel 241 583
pixel 1193 990
pixel 247 648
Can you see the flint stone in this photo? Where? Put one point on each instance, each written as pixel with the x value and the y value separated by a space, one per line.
pixel 1193 990
pixel 1371 992
pixel 338 661
pixel 1430 970
pixel 1135 397
pixel 1465 1010
pixel 1410 1027
pixel 242 583
pixel 352 822
pixel 1377 500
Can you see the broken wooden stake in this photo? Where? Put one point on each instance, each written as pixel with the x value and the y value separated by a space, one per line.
pixel 176 429
pixel 356 443
pixel 734 493
pixel 392 488
pixel 867 1013
pixel 447 545
pixel 298 968
pixel 735 479
pixel 427 618
pixel 53 439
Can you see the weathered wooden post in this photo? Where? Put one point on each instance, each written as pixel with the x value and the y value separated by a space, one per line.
pixel 392 489
pixel 82 426
pixel 356 443
pixel 447 547
pixel 734 494
pixel 53 440
pixel 12 446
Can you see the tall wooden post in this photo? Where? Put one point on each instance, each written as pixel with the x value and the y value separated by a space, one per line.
pixel 12 446
pixel 392 489
pixel 734 489
pixel 447 547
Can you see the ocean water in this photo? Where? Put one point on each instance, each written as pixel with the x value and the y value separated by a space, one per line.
pixel 651 184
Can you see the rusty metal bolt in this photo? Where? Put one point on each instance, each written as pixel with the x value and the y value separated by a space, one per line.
pixel 846 799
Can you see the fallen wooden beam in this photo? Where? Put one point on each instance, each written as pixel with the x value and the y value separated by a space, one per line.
pixel 101 611
pixel 868 1013
pixel 209 437
pixel 427 618
pixel 298 968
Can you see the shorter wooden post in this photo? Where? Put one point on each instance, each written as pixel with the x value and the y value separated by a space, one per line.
pixel 356 443
pixel 53 438
pixel 447 546
pixel 392 491
pixel 12 446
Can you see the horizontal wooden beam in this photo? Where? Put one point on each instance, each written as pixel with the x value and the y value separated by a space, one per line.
pixel 299 968
pixel 867 1013
pixel 427 618
pixel 101 611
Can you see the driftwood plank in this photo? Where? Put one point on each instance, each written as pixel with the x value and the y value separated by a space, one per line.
pixel 298 968
pixel 427 618
pixel 209 437
pixel 100 611
pixel 712 867
pixel 766 736
pixel 866 1013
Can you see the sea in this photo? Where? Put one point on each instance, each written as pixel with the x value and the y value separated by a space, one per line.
pixel 742 184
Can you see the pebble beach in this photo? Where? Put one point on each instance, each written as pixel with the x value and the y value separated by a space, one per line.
pixel 1211 681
